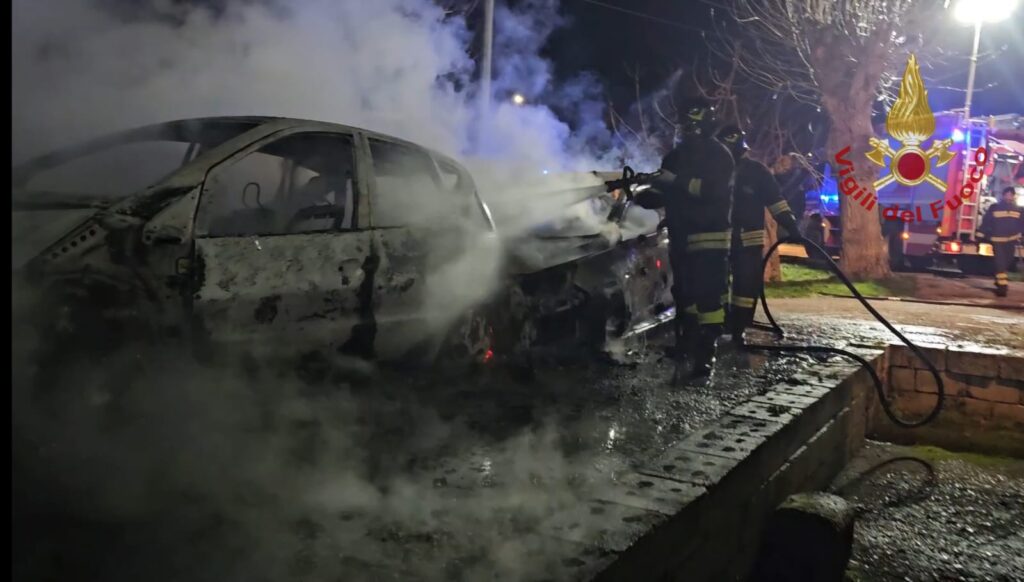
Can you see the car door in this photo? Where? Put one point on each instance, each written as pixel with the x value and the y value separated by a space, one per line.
pixel 432 232
pixel 281 258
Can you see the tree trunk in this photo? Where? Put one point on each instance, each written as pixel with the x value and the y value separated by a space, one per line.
pixel 864 252
pixel 771 232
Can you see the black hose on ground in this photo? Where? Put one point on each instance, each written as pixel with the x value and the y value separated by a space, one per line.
pixel 886 406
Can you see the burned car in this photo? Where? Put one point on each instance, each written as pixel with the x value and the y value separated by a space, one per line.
pixel 283 234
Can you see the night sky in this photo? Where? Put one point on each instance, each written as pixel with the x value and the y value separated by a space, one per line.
pixel 607 41
pixel 603 40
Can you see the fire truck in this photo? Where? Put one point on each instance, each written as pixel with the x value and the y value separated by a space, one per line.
pixel 944 237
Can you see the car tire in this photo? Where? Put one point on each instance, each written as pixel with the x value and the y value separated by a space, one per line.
pixel 470 340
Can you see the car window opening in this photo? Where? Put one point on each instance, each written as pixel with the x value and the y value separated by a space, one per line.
pixel 298 184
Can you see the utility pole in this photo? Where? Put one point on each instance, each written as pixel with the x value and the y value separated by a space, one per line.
pixel 971 70
pixel 485 70
pixel 967 103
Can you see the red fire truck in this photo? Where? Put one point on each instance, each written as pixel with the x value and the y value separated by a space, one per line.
pixel 944 237
pixel 1003 138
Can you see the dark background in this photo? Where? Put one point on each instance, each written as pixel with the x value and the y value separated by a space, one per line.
pixel 605 41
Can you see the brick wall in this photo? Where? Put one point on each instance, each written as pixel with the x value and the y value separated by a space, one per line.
pixel 984 405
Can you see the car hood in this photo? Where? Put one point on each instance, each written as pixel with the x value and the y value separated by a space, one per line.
pixel 541 249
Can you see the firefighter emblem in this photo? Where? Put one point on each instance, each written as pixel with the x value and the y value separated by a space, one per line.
pixel 911 122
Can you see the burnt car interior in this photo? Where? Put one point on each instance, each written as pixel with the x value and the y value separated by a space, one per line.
pixel 411 190
pixel 406 186
pixel 297 184
pixel 456 181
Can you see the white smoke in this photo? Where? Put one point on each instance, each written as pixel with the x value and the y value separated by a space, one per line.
pixel 396 66
pixel 225 474
pixel 402 67
pixel 80 70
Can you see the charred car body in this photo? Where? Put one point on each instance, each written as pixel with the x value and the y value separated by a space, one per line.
pixel 293 235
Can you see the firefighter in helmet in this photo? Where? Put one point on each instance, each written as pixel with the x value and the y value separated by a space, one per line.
pixel 694 186
pixel 1002 226
pixel 754 190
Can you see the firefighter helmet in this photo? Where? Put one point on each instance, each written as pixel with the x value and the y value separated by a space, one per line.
pixel 697 116
pixel 735 139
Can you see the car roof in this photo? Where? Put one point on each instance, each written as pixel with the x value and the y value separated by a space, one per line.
pixel 280 123
pixel 253 127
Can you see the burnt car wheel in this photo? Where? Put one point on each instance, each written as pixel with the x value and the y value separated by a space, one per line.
pixel 470 340
pixel 518 329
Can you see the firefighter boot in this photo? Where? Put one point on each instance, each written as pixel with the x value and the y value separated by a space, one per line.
pixel 685 328
pixel 703 352
pixel 676 351
pixel 687 334
pixel 736 328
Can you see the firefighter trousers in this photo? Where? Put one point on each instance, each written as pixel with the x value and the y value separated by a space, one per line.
pixel 1003 254
pixel 700 272
pixel 747 280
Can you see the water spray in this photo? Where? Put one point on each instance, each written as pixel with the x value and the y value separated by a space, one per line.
pixel 629 177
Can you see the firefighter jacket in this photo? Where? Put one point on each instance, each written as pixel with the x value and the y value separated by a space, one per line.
pixel 698 198
pixel 755 190
pixel 1003 223
pixel 794 185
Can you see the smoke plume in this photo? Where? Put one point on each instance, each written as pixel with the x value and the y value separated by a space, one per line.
pixel 186 471
pixel 397 66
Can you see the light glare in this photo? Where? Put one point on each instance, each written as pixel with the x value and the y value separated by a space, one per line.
pixel 978 11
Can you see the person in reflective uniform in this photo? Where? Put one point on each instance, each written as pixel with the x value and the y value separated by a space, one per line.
pixel 1002 226
pixel 754 190
pixel 694 187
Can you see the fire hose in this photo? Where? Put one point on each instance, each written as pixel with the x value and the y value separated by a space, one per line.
pixel 886 405
pixel 629 177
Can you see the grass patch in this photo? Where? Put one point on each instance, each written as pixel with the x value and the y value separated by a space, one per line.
pixel 793 273
pixel 935 454
pixel 805 281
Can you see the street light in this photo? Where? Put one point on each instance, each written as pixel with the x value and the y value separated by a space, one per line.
pixel 518 99
pixel 977 12
pixel 485 71
pixel 971 11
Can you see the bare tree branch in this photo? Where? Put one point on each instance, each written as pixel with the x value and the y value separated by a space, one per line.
pixel 841 55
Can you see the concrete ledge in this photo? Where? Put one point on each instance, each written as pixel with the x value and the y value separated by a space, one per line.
pixel 984 400
pixel 695 512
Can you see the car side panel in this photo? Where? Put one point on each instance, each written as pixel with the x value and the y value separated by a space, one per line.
pixel 293 291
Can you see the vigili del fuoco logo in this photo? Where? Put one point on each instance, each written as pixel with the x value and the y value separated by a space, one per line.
pixel 911 123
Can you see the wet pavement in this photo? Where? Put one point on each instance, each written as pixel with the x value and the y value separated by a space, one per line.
pixel 927 515
pixel 206 474
pixel 157 468
pixel 977 290
pixel 954 326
